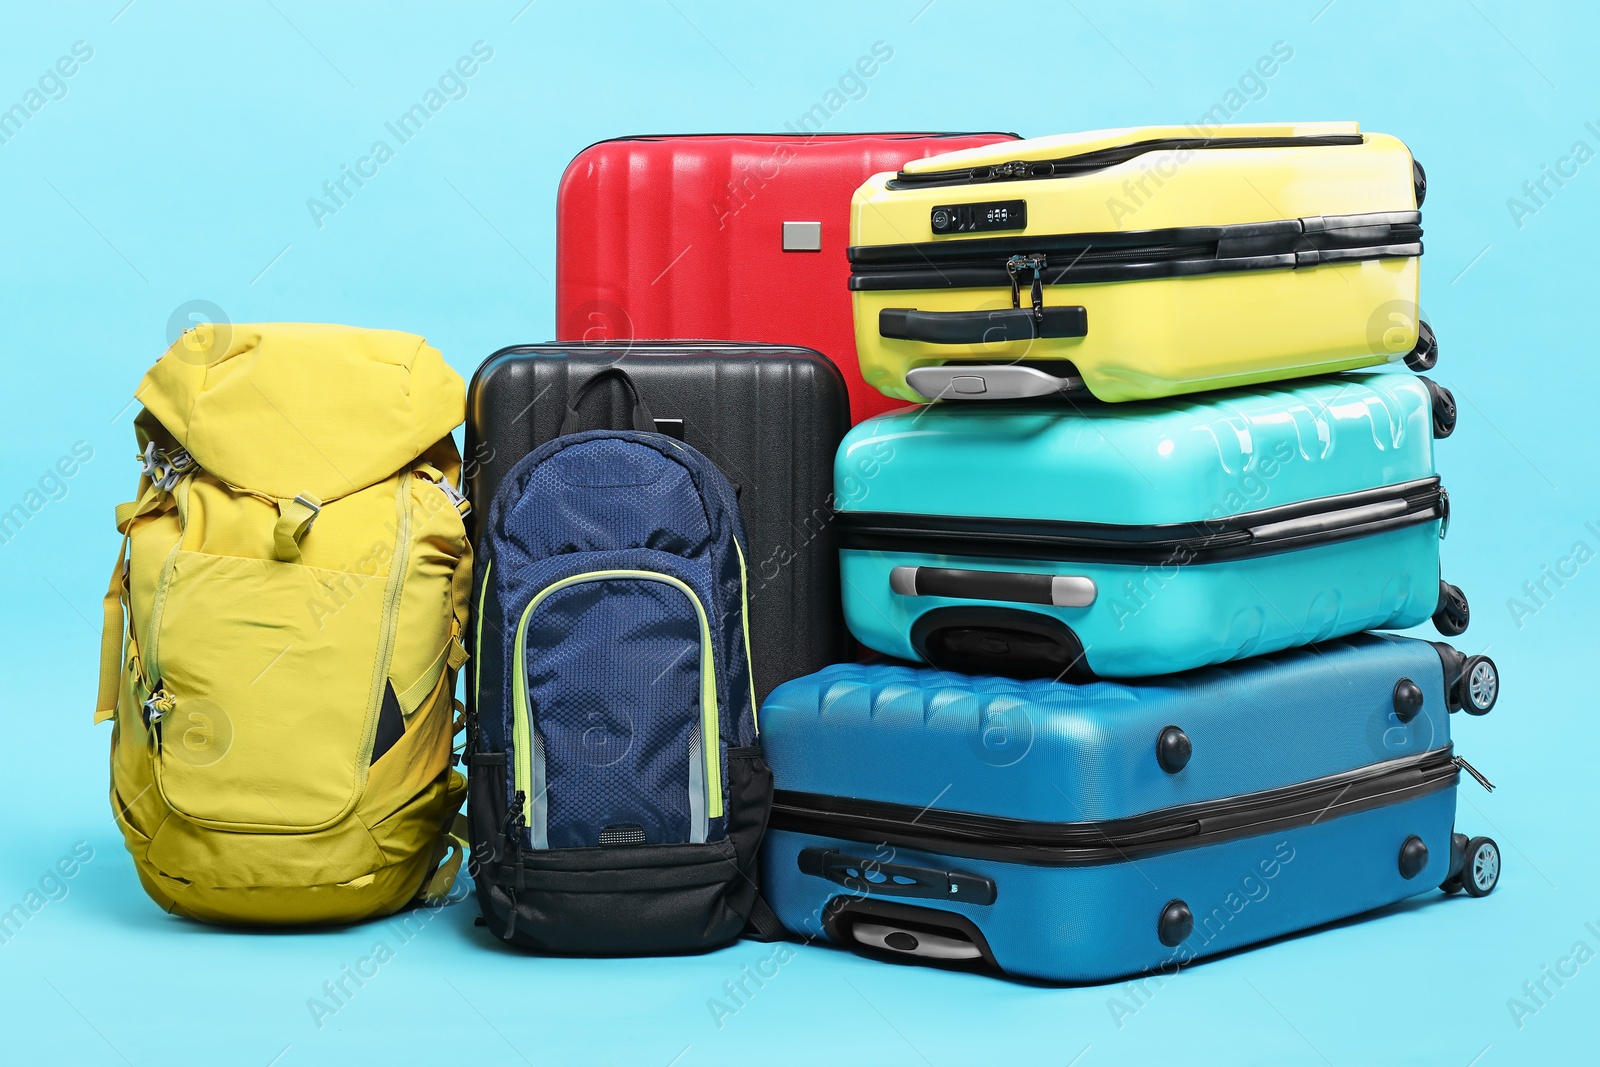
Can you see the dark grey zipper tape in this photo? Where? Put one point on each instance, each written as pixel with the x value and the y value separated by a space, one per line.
pixel 1088 162
pixel 1049 844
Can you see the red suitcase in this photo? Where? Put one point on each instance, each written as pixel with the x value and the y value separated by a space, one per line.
pixel 730 237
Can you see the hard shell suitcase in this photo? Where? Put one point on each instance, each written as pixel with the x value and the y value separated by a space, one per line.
pixel 738 237
pixel 1139 263
pixel 1081 833
pixel 770 417
pixel 1140 539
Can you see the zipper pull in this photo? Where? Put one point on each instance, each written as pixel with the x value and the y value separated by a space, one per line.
pixel 1014 267
pixel 1444 512
pixel 1488 786
pixel 514 812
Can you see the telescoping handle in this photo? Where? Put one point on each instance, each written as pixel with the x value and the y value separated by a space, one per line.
pixel 1056 590
pixel 895 879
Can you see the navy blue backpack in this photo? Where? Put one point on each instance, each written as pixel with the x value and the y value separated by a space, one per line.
pixel 617 790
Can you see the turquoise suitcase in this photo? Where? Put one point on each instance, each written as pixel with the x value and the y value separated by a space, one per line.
pixel 1140 539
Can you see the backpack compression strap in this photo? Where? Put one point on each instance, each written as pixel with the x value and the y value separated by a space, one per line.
pixel 448 853
pixel 114 626
pixel 461 581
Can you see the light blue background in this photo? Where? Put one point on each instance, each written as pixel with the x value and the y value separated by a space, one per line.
pixel 177 167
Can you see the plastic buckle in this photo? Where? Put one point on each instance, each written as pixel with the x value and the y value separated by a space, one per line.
pixel 457 498
pixel 311 505
pixel 163 469
pixel 152 464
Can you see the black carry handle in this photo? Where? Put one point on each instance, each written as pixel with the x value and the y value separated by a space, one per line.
pixel 982 327
pixel 573 422
pixel 895 879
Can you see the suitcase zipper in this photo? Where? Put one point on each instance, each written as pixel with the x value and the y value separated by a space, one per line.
pixel 1113 256
pixel 1014 268
pixel 1478 776
pixel 1307 524
pixel 1088 162
pixel 1062 844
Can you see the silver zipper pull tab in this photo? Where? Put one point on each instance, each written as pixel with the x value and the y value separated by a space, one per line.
pixel 1488 786
pixel 1444 512
pixel 1035 263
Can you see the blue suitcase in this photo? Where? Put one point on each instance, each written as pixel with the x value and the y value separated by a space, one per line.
pixel 1127 540
pixel 1086 832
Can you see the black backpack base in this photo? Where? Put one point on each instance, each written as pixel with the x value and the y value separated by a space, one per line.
pixel 621 900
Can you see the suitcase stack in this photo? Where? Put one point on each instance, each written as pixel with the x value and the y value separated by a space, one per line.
pixel 1140 720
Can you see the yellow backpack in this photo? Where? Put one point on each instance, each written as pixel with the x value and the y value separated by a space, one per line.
pixel 294 578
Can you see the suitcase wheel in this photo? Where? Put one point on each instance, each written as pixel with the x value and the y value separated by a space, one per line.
pixel 1478 685
pixel 1419 181
pixel 1452 615
pixel 1444 408
pixel 1413 857
pixel 1481 872
pixel 1458 860
pixel 1426 352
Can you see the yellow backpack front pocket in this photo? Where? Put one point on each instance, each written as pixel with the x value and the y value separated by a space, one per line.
pixel 273 683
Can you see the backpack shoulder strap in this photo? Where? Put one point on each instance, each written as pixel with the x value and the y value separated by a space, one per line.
pixel 763 924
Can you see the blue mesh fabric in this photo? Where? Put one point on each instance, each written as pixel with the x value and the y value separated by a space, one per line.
pixel 614 684
pixel 616 500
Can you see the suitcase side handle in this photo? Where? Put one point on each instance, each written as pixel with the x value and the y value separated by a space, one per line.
pixel 873 877
pixel 982 327
pixel 1055 590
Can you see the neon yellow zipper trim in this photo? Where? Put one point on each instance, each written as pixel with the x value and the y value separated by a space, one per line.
pixel 749 663
pixel 477 644
pixel 521 721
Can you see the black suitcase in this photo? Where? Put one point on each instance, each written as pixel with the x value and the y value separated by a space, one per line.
pixel 771 416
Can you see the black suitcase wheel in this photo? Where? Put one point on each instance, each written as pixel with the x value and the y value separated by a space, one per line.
pixel 1419 181
pixel 1482 870
pixel 1444 408
pixel 1478 686
pixel 1426 352
pixel 1458 861
pixel 1452 615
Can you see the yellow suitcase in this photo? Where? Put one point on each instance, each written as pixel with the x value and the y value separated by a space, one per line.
pixel 1138 263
